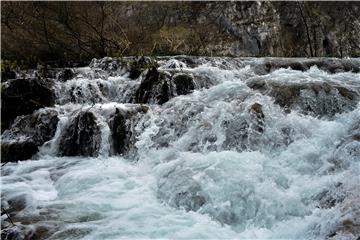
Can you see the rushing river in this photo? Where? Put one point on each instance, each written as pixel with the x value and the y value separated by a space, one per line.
pixel 246 153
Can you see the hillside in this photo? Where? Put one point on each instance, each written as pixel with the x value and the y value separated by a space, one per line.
pixel 80 31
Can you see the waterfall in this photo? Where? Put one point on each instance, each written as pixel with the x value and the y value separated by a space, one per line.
pixel 189 147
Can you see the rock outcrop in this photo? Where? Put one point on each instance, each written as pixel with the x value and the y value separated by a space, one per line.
pixel 244 28
pixel 184 83
pixel 154 88
pixel 27 134
pixel 160 86
pixel 24 96
pixel 121 125
pixel 331 98
pixel 330 65
pixel 82 136
pixel 7 74
pixel 65 74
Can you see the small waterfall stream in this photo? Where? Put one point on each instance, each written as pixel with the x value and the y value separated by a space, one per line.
pixel 189 147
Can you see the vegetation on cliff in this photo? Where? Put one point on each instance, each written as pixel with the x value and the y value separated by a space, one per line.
pixel 76 32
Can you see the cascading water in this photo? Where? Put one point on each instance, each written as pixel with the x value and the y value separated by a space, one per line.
pixel 190 148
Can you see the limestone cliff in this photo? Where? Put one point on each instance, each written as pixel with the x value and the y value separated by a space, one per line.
pixel 79 31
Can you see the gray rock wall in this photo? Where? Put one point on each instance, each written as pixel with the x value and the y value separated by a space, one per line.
pixel 78 31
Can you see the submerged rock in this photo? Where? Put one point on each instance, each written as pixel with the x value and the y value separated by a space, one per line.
pixel 82 136
pixel 28 133
pixel 245 132
pixel 13 233
pixel 348 225
pixel 180 190
pixel 24 96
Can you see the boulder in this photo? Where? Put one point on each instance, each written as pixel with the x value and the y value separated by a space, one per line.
pixel 24 96
pixel 258 117
pixel 28 133
pixel 81 137
pixel 106 64
pixel 7 74
pixel 159 87
pixel 139 65
pixel 65 74
pixel 15 151
pixel 121 129
pixel 154 88
pixel 184 83
pixel 120 132
pixel 13 233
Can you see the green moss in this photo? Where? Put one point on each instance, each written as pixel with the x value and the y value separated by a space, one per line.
pixel 8 65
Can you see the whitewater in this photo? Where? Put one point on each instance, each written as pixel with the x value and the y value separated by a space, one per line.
pixel 247 153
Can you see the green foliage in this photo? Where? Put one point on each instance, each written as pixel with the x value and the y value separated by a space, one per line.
pixel 8 65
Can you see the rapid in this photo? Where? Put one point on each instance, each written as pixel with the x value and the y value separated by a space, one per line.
pixel 191 148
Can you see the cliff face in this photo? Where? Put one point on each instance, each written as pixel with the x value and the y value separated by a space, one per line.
pixel 82 30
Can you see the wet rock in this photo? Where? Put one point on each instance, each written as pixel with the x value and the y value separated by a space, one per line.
pixel 173 64
pixel 65 74
pixel 139 65
pixel 274 65
pixel 16 203
pixel 7 74
pixel 184 83
pixel 316 98
pixel 106 64
pixel 121 124
pixel 258 117
pixel 348 225
pixel 159 87
pixel 331 197
pixel 326 64
pixel 154 88
pixel 24 232
pixel 285 96
pixel 28 133
pixel 12 233
pixel 17 151
pixel 120 132
pixel 24 96
pixel 82 136
pixel 45 71
pixel 189 61
pixel 245 132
